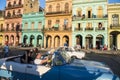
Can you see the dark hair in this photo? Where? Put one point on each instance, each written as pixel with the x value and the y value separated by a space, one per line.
pixel 36 49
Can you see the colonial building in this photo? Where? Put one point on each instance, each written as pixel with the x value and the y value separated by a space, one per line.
pixel 89 23
pixel 58 23
pixel 114 26
pixel 31 6
pixel 1 27
pixel 13 19
pixel 33 24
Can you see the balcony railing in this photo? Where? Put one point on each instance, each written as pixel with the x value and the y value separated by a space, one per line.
pixel 78 29
pixel 102 28
pixel 58 29
pixel 32 29
pixel 58 12
pixel 14 16
pixel 88 29
pixel 83 17
pixel 14 6
pixel 117 26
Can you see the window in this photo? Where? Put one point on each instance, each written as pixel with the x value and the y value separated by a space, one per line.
pixel 49 23
pixel 50 8
pixel 9 4
pixel 115 20
pixel 13 12
pixel 31 6
pixel 39 25
pixel 1 27
pixel 8 14
pixel 58 8
pixel 14 2
pixel 66 7
pixel 20 2
pixel 32 26
pixel 26 26
pixel 79 26
pixel 12 26
pixel 7 27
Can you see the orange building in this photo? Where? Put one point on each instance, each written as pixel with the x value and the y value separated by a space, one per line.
pixel 58 23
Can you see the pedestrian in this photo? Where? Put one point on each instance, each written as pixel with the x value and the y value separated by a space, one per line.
pixel 6 50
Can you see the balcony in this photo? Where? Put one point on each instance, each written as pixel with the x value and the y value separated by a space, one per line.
pixel 115 26
pixel 14 6
pixel 100 29
pixel 58 13
pixel 14 16
pixel 88 29
pixel 83 17
pixel 78 29
pixel 33 30
pixel 58 29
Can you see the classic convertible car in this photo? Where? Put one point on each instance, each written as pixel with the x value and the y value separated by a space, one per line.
pixel 62 68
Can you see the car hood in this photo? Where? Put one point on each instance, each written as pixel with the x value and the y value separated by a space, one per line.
pixel 91 66
pixel 89 70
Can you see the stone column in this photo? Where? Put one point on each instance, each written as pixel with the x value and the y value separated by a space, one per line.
pixel 94 42
pixel 83 40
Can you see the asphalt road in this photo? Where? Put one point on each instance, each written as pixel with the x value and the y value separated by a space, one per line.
pixel 111 60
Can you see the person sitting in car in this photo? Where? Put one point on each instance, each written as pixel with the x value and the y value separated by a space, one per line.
pixel 40 61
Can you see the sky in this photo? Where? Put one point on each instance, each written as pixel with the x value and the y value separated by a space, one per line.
pixel 42 3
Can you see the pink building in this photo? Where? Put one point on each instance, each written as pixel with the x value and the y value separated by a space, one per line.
pixel 13 21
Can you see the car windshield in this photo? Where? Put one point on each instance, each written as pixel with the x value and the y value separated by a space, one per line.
pixel 66 56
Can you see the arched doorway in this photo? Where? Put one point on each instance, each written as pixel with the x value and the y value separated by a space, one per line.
pixel 39 41
pixel 114 39
pixel 79 40
pixel 25 39
pixel 57 41
pixel 99 41
pixel 12 40
pixel 89 41
pixel 65 40
pixel 31 40
pixel 6 39
pixel 48 41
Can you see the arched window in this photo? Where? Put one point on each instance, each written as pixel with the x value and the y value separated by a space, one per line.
pixel 100 12
pixel 115 20
pixel 50 8
pixel 14 3
pixel 13 12
pixel 8 14
pixel 9 4
pixel 58 8
pixel 66 7
pixel 20 2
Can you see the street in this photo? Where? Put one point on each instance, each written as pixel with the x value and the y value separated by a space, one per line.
pixel 112 60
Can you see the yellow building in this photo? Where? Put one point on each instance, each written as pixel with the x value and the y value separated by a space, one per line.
pixel 58 23
pixel 114 26
pixel 1 28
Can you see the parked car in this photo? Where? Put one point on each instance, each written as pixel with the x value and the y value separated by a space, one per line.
pixel 72 52
pixel 62 68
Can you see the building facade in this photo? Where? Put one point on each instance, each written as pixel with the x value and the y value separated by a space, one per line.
pixel 31 6
pixel 58 23
pixel 13 19
pixel 33 24
pixel 114 26
pixel 89 23
pixel 1 27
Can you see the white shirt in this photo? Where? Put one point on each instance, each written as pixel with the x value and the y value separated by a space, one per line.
pixel 37 61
